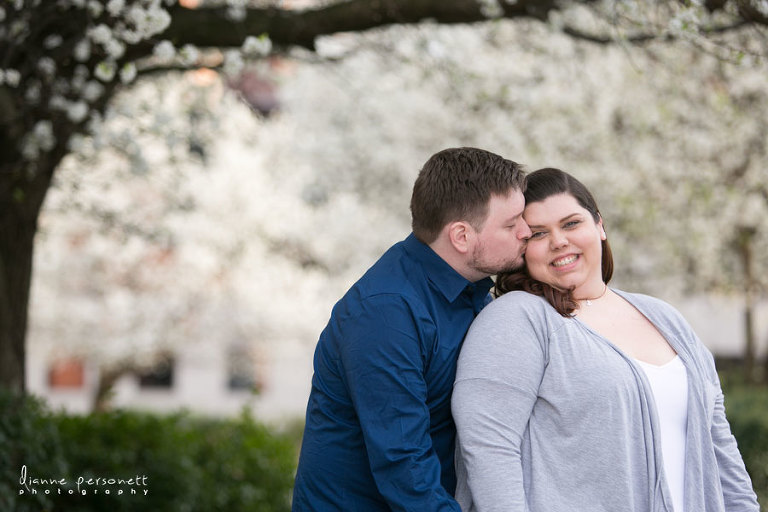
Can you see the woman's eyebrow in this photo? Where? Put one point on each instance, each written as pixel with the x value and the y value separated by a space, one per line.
pixel 561 220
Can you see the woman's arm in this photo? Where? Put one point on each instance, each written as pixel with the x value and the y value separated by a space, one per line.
pixel 499 371
pixel 738 493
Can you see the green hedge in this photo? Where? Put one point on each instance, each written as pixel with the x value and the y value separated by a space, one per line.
pixel 27 436
pixel 747 411
pixel 201 464
pixel 183 462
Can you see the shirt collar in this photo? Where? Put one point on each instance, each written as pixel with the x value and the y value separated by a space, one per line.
pixel 449 282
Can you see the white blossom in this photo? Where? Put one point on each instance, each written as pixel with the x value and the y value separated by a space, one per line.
pixel 490 8
pixel 189 54
pixel 436 49
pixel 77 111
pixel 130 36
pixel 41 138
pixel 95 122
pixel 100 34
pixel 158 18
pixel 128 73
pixel 12 77
pixel 79 77
pixel 58 102
pixel 686 21
pixel 43 132
pixel 29 148
pixel 164 50
pixel 76 143
pixel 114 48
pixel 233 62
pixel 95 8
pixel 114 7
pixel 236 13
pixel 136 15
pixel 82 50
pixel 761 6
pixel 150 21
pixel 47 66
pixel 236 10
pixel 105 70
pixel 261 45
pixel 92 91
pixel 32 92
pixel 52 41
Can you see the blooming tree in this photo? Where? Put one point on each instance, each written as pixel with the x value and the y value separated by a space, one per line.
pixel 270 219
pixel 62 61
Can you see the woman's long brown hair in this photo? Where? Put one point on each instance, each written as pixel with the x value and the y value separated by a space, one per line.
pixel 542 184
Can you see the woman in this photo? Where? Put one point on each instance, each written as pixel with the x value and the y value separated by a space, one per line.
pixel 573 396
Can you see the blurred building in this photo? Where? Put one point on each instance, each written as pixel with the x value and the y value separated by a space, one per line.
pixel 221 380
pixel 214 380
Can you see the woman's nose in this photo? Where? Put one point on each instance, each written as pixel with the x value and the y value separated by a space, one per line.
pixel 558 240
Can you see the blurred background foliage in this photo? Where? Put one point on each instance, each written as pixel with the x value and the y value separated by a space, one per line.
pixel 191 463
pixel 197 464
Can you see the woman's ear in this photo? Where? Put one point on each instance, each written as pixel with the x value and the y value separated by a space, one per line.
pixel 601 228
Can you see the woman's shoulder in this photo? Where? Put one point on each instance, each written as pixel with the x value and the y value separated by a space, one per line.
pixel 649 303
pixel 659 311
pixel 517 321
pixel 521 300
pixel 522 308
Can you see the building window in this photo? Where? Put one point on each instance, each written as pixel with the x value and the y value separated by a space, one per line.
pixel 158 376
pixel 241 370
pixel 66 374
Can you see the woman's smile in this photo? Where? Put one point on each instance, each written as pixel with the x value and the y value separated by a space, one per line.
pixel 565 262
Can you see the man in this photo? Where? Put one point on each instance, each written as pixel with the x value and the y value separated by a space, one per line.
pixel 379 434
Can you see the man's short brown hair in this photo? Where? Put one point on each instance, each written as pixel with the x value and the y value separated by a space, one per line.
pixel 457 184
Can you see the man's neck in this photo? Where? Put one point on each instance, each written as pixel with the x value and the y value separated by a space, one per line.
pixel 455 259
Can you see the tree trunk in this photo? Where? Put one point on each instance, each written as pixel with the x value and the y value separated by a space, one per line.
pixel 21 198
pixel 108 376
pixel 745 238
pixel 763 377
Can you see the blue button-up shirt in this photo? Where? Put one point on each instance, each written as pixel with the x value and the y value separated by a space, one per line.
pixel 379 434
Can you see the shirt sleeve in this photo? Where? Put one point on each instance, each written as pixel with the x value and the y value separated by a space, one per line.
pixel 736 484
pixel 384 369
pixel 498 376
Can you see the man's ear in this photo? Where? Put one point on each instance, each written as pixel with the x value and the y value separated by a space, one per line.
pixel 461 236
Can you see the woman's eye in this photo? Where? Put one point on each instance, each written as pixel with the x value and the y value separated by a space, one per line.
pixel 571 224
pixel 537 234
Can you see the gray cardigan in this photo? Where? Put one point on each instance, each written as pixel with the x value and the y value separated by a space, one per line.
pixel 553 417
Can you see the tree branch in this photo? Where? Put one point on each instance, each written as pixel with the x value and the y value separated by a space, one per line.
pixel 210 26
pixel 645 38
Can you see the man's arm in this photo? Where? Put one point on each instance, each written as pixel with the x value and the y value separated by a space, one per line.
pixel 383 361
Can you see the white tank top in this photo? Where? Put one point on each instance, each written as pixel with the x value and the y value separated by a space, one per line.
pixel 669 383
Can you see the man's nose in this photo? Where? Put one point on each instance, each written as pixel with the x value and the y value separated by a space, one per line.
pixel 524 233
